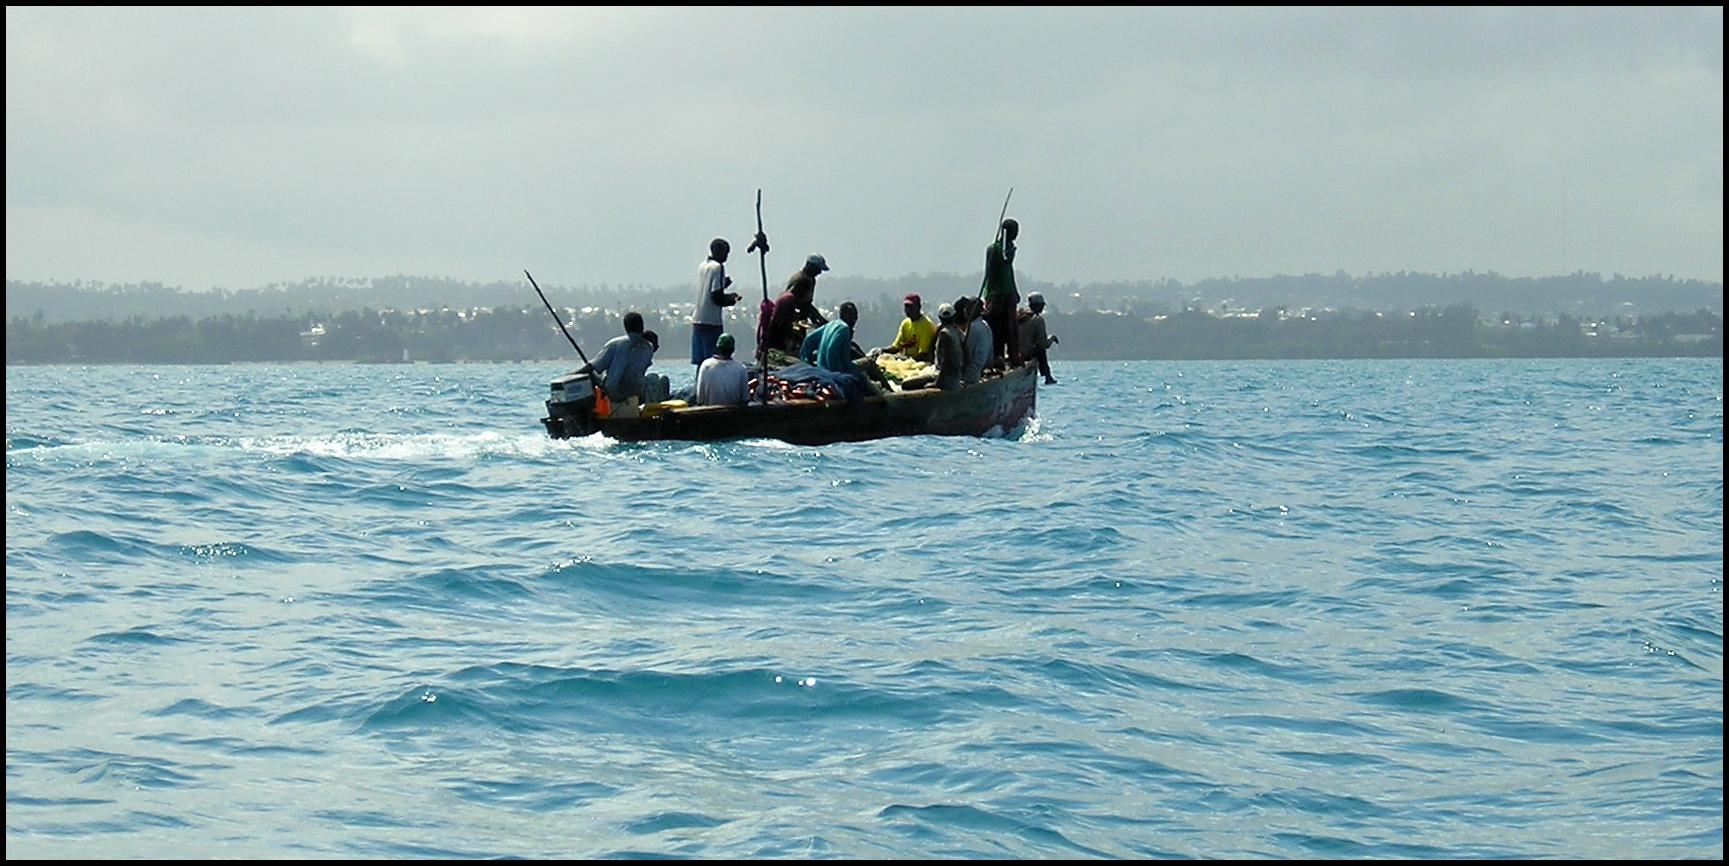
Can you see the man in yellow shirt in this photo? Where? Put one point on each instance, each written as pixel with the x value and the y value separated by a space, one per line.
pixel 917 331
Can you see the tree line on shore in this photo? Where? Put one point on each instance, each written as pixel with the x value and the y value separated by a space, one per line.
pixel 528 333
pixel 1582 295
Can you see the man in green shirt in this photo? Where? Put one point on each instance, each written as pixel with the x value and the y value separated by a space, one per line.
pixel 1001 297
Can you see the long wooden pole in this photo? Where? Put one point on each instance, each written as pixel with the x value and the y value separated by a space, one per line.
pixel 999 236
pixel 764 310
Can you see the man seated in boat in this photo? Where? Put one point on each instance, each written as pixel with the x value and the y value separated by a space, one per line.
pixel 945 355
pixel 976 344
pixel 948 353
pixel 831 348
pixel 917 332
pixel 722 380
pixel 622 365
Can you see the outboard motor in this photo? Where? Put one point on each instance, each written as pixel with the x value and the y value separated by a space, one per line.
pixel 570 407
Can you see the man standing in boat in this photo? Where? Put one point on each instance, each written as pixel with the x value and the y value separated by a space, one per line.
pixel 805 276
pixel 711 297
pixel 1036 340
pixel 794 308
pixel 1001 296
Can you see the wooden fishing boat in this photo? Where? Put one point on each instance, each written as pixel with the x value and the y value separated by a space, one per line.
pixel 996 404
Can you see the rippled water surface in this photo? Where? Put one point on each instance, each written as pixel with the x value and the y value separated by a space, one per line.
pixel 1436 609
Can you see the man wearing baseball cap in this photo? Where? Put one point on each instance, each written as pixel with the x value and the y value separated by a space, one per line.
pixel 946 353
pixel 917 331
pixel 1036 340
pixel 795 311
pixel 804 279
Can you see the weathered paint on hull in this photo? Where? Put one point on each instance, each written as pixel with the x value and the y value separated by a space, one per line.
pixel 995 404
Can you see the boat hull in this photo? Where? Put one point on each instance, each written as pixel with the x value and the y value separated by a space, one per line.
pixel 997 404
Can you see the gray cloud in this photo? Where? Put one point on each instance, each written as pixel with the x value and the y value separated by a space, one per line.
pixel 238 147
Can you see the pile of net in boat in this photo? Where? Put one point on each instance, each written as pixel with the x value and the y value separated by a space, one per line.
pixel 802 381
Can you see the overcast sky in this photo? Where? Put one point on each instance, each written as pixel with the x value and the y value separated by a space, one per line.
pixel 246 146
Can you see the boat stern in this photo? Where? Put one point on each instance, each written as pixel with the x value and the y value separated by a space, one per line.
pixel 570 407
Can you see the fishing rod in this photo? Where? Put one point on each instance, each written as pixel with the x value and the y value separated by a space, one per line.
pixel 560 321
pixel 999 237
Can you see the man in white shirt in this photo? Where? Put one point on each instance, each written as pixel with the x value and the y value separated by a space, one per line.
pixel 976 349
pixel 722 380
pixel 711 297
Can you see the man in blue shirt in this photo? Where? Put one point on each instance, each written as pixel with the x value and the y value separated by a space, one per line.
pixel 830 346
pixel 623 361
pixel 977 342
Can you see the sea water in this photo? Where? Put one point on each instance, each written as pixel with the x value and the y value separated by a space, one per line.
pixel 1388 609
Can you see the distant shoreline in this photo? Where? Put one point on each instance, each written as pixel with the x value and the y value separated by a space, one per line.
pixel 1132 330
